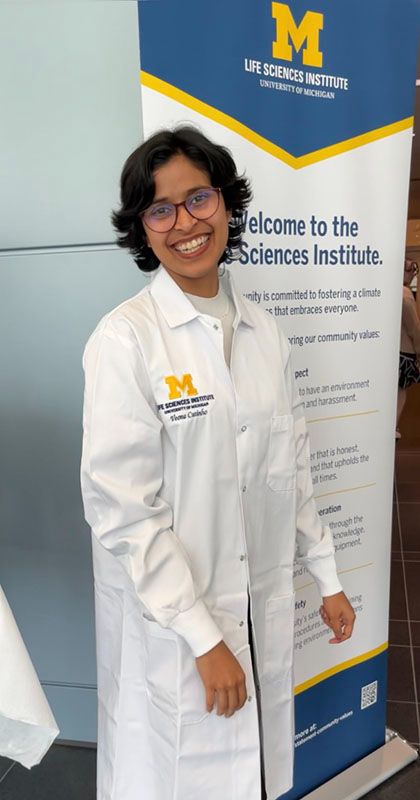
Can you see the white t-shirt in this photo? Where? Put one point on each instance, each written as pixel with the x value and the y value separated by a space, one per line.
pixel 222 308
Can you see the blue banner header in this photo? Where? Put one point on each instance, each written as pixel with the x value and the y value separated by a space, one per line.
pixel 259 63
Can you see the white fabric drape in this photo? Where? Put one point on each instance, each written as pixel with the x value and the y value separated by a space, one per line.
pixel 27 725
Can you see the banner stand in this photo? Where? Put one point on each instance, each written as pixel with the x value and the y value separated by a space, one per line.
pixel 369 772
pixel 284 87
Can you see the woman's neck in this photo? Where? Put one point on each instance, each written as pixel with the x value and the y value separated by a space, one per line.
pixel 204 286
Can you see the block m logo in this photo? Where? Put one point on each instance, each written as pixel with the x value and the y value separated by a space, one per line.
pixel 179 387
pixel 288 34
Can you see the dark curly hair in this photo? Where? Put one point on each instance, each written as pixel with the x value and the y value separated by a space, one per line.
pixel 138 188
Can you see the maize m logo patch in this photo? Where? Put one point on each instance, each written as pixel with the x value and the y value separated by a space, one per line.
pixel 178 387
pixel 291 36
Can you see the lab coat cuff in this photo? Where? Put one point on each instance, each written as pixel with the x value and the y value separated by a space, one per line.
pixel 198 628
pixel 324 572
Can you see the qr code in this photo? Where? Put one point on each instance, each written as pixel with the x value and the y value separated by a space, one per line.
pixel 369 695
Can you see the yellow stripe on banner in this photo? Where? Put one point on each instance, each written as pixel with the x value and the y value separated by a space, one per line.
pixel 292 161
pixel 302 687
pixel 340 572
pixel 343 491
pixel 343 416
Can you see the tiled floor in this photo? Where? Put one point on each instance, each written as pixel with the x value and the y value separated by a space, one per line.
pixel 65 773
pixel 404 626
pixel 68 773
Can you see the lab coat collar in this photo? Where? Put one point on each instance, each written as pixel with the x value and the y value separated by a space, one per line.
pixel 178 310
pixel 174 305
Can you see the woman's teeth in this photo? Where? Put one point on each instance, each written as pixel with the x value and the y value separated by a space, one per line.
pixel 194 244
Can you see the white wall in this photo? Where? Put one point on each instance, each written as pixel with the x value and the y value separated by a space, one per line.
pixel 70 116
pixel 69 93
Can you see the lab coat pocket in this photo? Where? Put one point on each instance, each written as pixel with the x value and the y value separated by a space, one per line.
pixel 161 667
pixel 278 648
pixel 281 471
pixel 192 697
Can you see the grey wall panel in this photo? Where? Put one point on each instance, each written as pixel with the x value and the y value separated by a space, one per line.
pixel 54 301
pixel 75 712
pixel 70 107
pixel 51 596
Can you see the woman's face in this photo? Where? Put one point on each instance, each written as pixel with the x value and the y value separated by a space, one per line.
pixel 205 239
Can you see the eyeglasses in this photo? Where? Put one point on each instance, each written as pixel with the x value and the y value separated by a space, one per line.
pixel 201 204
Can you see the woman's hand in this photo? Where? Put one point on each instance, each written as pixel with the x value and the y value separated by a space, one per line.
pixel 338 614
pixel 223 679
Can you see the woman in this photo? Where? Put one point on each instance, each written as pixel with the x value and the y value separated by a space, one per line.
pixel 410 340
pixel 197 486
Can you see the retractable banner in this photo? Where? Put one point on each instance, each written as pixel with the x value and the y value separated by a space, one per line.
pixel 315 102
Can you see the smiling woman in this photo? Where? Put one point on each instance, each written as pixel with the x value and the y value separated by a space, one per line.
pixel 190 246
pixel 196 483
pixel 211 165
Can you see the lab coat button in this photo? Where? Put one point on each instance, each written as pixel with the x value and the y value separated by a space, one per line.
pixel 241 623
pixel 249 699
pixel 242 557
pixel 244 488
pixel 243 429
pixel 216 327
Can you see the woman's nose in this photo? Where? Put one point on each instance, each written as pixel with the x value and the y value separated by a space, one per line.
pixel 184 220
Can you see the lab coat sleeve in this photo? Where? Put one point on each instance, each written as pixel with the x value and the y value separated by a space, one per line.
pixel 121 476
pixel 315 547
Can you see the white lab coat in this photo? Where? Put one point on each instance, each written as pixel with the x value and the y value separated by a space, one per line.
pixel 195 503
